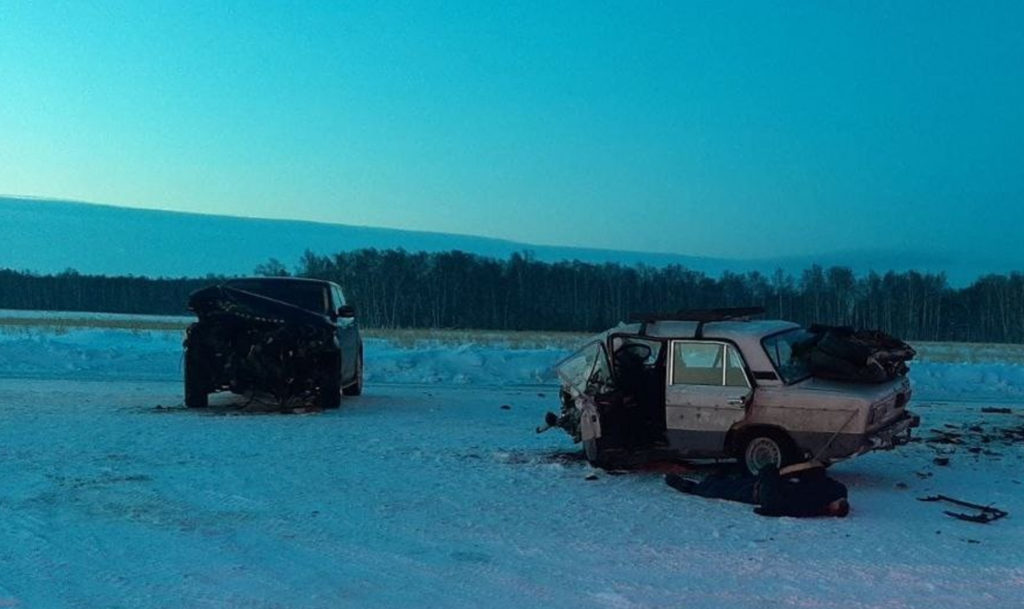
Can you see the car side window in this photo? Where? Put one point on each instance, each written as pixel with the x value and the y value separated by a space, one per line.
pixel 734 374
pixel 707 363
pixel 339 298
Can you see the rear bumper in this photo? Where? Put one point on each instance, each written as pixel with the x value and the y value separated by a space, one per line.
pixel 892 435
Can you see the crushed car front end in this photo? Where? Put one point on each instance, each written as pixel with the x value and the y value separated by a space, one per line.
pixel 584 376
pixel 244 342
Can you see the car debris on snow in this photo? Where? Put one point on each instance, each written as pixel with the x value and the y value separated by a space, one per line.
pixel 983 514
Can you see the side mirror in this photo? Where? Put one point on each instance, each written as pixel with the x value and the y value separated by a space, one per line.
pixel 347 311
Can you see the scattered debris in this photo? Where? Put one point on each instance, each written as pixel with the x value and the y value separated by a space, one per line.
pixel 991 410
pixel 983 513
pixel 565 457
pixel 977 437
pixel 506 407
pixel 944 437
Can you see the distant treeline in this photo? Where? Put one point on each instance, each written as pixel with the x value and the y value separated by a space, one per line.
pixel 71 291
pixel 399 289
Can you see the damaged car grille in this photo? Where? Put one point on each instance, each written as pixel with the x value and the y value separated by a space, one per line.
pixel 245 342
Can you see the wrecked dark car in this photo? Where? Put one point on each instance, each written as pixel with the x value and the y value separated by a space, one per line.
pixel 712 384
pixel 295 340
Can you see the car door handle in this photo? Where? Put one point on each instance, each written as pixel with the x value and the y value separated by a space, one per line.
pixel 736 401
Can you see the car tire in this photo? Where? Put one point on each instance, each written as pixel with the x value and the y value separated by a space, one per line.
pixel 599 454
pixel 766 447
pixel 591 451
pixel 330 392
pixel 196 395
pixel 356 388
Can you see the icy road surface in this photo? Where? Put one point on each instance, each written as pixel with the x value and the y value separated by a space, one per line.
pixel 428 492
pixel 114 495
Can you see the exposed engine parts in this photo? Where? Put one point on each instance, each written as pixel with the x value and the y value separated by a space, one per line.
pixel 293 340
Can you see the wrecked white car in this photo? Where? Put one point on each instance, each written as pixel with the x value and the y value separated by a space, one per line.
pixel 715 384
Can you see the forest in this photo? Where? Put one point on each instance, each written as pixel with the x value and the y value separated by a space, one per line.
pixel 454 289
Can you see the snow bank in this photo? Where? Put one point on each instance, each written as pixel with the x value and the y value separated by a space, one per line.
pixel 91 316
pixel 156 355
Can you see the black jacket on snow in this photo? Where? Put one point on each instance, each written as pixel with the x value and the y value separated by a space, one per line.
pixel 804 493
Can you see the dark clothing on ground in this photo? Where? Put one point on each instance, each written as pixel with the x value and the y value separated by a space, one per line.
pixel 804 493
pixel 717 487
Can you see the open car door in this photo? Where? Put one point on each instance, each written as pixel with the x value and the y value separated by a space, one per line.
pixel 587 371
pixel 585 375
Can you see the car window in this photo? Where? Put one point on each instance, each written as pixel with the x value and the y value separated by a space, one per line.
pixel 697 363
pixel 707 363
pixel 644 349
pixel 734 374
pixel 780 349
pixel 586 371
pixel 309 296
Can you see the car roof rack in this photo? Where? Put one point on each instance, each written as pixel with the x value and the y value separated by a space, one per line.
pixel 701 316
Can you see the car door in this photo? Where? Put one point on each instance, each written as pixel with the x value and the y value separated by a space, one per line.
pixel 584 375
pixel 706 393
pixel 348 333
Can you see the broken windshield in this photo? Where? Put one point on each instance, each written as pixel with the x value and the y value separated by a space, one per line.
pixel 586 371
pixel 310 296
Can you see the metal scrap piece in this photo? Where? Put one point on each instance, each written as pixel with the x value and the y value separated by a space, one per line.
pixel 984 513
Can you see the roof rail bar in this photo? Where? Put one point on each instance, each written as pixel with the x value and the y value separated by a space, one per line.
pixel 701 316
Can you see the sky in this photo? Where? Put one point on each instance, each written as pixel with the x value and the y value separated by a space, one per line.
pixel 727 129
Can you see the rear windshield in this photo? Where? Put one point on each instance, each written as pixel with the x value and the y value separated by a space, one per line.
pixel 309 296
pixel 780 349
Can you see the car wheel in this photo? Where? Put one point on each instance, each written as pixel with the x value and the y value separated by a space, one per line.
pixel 195 387
pixel 592 452
pixel 767 448
pixel 330 394
pixel 356 388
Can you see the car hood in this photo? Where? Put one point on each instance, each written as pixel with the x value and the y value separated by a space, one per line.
pixel 217 300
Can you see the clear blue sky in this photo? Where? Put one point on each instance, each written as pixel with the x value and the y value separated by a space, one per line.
pixel 704 128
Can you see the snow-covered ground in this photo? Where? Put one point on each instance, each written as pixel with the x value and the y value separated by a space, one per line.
pixel 432 490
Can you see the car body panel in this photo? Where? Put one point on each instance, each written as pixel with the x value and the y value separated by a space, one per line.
pixel 710 404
